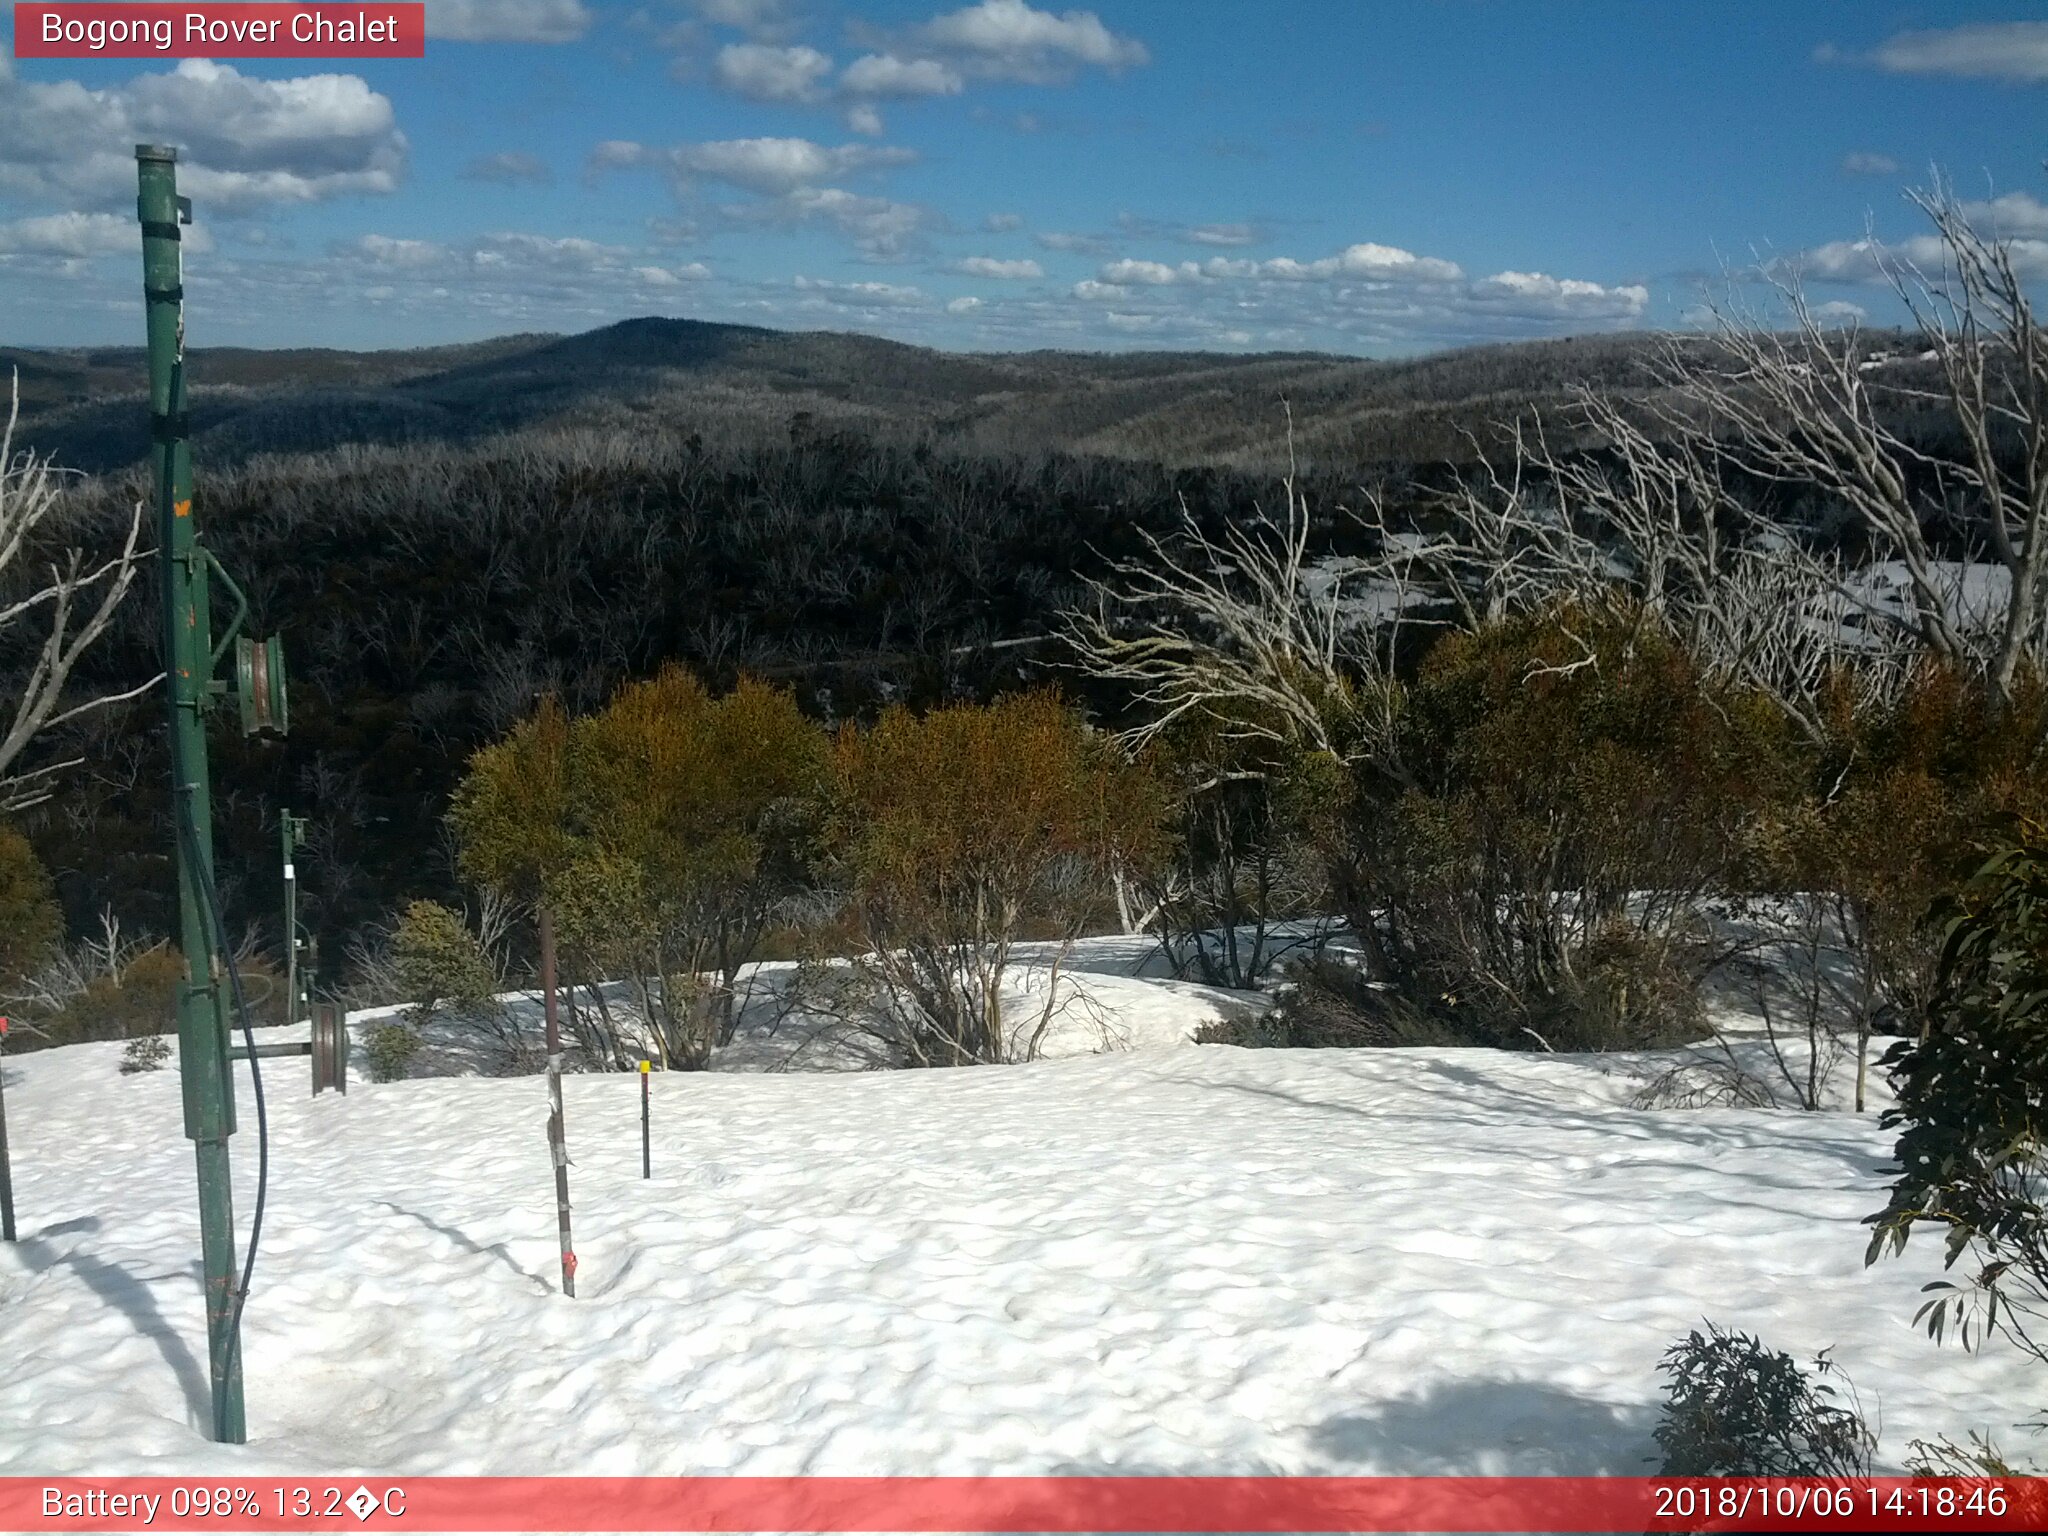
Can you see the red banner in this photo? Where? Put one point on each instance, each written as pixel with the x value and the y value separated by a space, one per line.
pixel 212 31
pixel 1013 1504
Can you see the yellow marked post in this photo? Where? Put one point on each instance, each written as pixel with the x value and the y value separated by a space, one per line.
pixel 646 1131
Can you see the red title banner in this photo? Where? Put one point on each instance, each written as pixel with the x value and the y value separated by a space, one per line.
pixel 213 31
pixel 1015 1504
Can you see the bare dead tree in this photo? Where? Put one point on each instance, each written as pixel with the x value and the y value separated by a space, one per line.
pixel 1244 630
pixel 1797 403
pixel 70 610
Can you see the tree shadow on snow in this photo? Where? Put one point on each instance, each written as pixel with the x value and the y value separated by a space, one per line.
pixel 129 1294
pixel 469 1244
pixel 1493 1428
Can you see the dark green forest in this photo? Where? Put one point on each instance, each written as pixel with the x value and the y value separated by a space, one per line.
pixel 443 536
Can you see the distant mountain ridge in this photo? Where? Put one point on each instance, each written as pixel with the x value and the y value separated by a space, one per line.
pixel 85 406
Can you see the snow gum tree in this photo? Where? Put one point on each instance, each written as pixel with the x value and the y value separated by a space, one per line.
pixel 956 832
pixel 512 816
pixel 696 818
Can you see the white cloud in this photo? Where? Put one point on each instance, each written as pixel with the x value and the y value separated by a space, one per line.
pixel 773 167
pixel 1007 39
pixel 1223 234
pixel 962 306
pixel 1086 245
pixel 672 277
pixel 244 141
pixel 511 168
pixel 1156 273
pixel 862 118
pixel 2016 215
pixel 762 20
pixel 507 21
pixel 1367 262
pixel 1839 312
pixel 1003 223
pixel 884 76
pixel 1089 288
pixel 385 251
pixel 990 266
pixel 763 73
pixel 1864 261
pixel 1537 295
pixel 860 295
pixel 1117 320
pixel 2013 51
pixel 874 224
pixel 70 235
pixel 1394 264
pixel 1865 163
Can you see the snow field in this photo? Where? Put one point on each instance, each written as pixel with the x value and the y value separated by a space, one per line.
pixel 1166 1259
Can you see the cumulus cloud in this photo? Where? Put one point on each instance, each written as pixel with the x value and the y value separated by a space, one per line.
pixel 2016 215
pixel 2012 51
pixel 246 142
pixel 1867 260
pixel 509 168
pixel 760 72
pixel 991 266
pixel 1372 263
pixel 1009 40
pixel 1839 312
pixel 1125 272
pixel 1365 293
pixel 773 167
pixel 672 277
pixel 1864 163
pixel 1536 295
pixel 790 176
pixel 70 235
pixel 1003 223
pixel 963 305
pixel 507 21
pixel 885 76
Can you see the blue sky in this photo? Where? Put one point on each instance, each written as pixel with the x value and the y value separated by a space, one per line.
pixel 1378 178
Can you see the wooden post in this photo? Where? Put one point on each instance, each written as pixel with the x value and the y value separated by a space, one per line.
pixel 646 1121
pixel 558 1141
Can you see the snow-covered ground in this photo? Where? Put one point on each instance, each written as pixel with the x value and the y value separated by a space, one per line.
pixel 1168 1258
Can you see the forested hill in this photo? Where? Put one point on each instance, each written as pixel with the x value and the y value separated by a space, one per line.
pixel 745 384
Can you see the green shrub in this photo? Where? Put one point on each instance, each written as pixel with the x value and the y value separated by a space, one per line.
pixel 1972 1103
pixel 141 998
pixel 388 1050
pixel 145 1053
pixel 1529 867
pixel 1737 1409
pixel 30 923
pixel 441 965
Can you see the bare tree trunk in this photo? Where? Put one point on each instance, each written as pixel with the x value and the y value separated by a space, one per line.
pixel 558 1142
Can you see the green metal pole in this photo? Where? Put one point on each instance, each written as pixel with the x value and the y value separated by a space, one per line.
pixel 188 666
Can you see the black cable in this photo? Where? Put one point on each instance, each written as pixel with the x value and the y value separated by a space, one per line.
pixel 203 877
